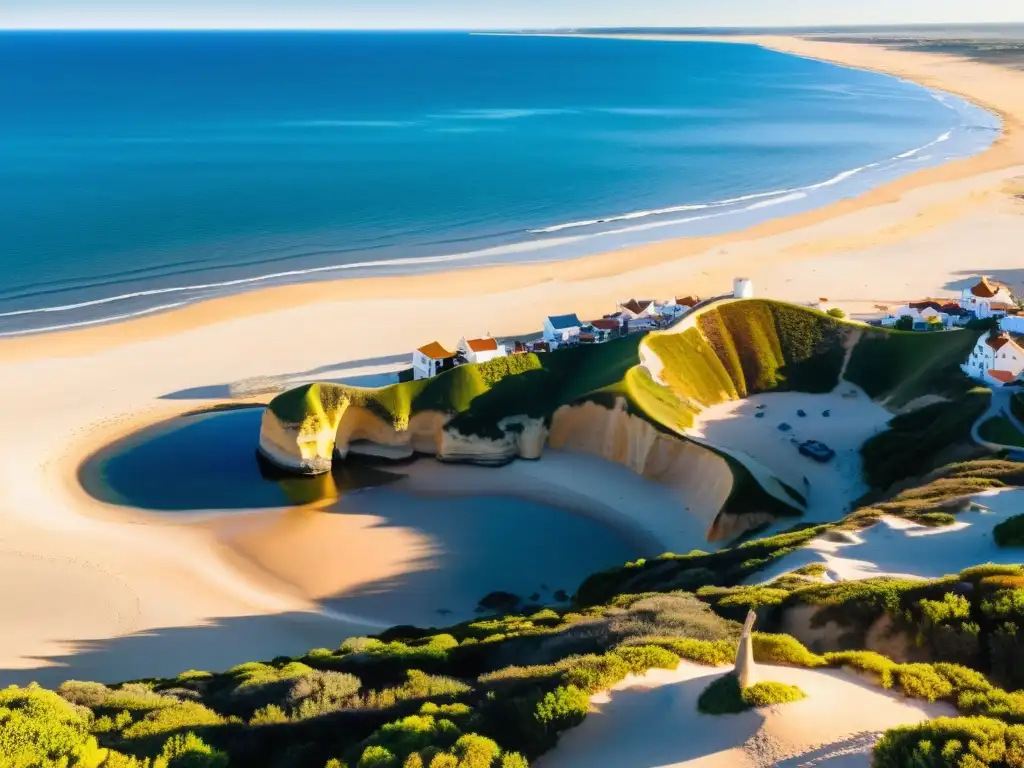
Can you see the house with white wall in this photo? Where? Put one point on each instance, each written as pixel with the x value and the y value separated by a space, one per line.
pixel 924 315
pixel 480 350
pixel 995 359
pixel 562 329
pixel 430 360
pixel 743 288
pixel 987 299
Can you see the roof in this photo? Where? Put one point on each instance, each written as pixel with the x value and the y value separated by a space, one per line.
pixel 587 337
pixel 1004 376
pixel 606 324
pixel 1000 305
pixel 687 301
pixel 1000 341
pixel 435 351
pixel 482 345
pixel 562 322
pixel 920 305
pixel 636 306
pixel 984 289
pixel 540 346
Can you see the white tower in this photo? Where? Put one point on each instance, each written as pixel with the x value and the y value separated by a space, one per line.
pixel 743 288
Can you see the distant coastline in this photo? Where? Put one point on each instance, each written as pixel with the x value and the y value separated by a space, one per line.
pixel 147 290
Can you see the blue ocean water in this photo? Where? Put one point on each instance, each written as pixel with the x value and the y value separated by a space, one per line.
pixel 141 171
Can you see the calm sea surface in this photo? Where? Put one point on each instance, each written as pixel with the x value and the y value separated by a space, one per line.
pixel 141 171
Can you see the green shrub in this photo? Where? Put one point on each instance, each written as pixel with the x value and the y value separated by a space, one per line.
pixel 84 694
pixel 321 692
pixel 39 728
pixel 1010 532
pixel 410 734
pixel 268 715
pixel 193 675
pixel 640 658
pixel 725 697
pixel 882 668
pixel 783 649
pixel 837 313
pixel 962 742
pixel 594 673
pixel 181 716
pixel 377 757
pixel 979 572
pixel 768 694
pixel 722 697
pixel 710 653
pixel 188 751
pixel 562 708
pixel 923 681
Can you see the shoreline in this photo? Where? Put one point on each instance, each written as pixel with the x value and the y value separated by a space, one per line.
pixel 103 598
pixel 1005 152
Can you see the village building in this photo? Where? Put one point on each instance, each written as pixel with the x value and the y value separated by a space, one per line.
pixel 925 316
pixel 687 302
pixel 562 329
pixel 743 288
pixel 995 359
pixel 987 299
pixel 636 308
pixel 605 329
pixel 480 350
pixel 430 360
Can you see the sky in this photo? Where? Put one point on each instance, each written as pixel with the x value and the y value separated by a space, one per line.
pixel 482 14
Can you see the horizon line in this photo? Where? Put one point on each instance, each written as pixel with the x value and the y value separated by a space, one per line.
pixel 523 30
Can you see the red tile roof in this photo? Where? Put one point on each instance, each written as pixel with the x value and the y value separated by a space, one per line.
pixel 606 325
pixel 998 342
pixel 687 301
pixel 984 289
pixel 435 351
pixel 1004 376
pixel 921 305
pixel 636 306
pixel 482 345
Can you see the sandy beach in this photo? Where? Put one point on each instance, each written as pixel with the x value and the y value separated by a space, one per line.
pixel 107 593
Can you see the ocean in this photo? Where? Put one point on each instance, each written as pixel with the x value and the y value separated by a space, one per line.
pixel 141 171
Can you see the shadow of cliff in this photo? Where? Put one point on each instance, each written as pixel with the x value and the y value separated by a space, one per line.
pixel 167 651
pixel 333 372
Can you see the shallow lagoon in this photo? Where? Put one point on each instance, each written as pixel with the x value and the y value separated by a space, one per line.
pixel 354 540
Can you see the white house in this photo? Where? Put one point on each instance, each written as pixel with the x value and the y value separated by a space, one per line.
pixel 562 329
pixel 743 288
pixel 924 316
pixel 481 350
pixel 430 360
pixel 986 299
pixel 639 308
pixel 997 360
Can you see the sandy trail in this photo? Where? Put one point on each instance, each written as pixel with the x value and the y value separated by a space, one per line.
pixel 107 593
pixel 653 721
pixel 899 548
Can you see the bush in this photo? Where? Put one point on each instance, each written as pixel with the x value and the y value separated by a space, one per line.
pixel 321 692
pixel 84 694
pixel 783 649
pixel 922 681
pixel 39 728
pixel 880 667
pixel 189 751
pixel 837 313
pixel 725 697
pixel 594 673
pixel 962 742
pixel 181 716
pixel 640 658
pixel 268 715
pixel 562 708
pixel 715 653
pixel 769 694
pixel 1010 532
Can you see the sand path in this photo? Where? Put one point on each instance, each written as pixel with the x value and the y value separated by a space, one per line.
pixel 653 721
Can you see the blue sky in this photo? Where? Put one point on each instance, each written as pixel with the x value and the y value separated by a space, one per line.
pixel 463 14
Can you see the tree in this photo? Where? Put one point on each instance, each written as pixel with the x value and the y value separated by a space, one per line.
pixel 905 323
pixel 837 313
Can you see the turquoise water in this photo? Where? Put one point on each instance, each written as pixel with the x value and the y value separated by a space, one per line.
pixel 142 171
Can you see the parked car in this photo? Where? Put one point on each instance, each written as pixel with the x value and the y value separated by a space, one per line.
pixel 817 450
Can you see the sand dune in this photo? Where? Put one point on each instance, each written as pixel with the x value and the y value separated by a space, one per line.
pixel 653 721
pixel 895 547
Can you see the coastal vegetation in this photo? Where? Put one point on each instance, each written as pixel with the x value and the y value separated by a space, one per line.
pixel 724 696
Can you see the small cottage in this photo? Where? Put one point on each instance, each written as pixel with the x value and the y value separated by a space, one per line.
pixel 635 308
pixel 743 288
pixel 430 360
pixel 562 329
pixel 480 350
pixel 605 329
pixel 995 359
pixel 987 299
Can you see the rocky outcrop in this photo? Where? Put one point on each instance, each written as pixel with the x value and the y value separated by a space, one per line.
pixel 308 447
